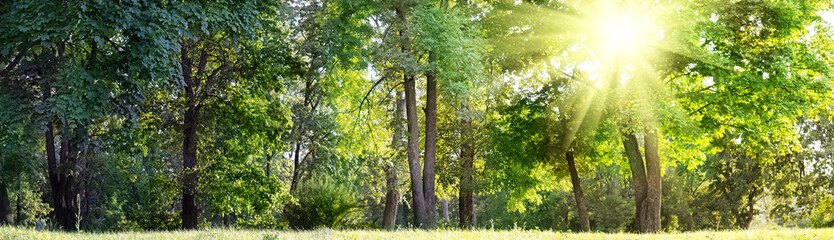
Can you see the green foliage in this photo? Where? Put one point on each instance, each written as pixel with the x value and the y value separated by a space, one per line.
pixel 556 212
pixel 322 203
pixel 17 136
pixel 27 200
pixel 609 198
pixel 741 91
pixel 522 140
pixel 763 77
pixel 452 44
pixel 823 215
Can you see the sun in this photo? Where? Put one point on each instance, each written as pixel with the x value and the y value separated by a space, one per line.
pixel 620 33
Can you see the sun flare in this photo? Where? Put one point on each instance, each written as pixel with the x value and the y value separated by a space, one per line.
pixel 622 34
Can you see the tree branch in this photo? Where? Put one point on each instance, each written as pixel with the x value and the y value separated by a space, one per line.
pixel 14 62
pixel 700 108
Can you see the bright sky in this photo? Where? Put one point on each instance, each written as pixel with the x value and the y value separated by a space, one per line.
pixel 828 16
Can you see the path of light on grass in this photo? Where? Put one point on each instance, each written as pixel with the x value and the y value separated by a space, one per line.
pixel 25 233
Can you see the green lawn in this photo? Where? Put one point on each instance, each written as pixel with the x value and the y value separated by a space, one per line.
pixel 23 233
pixel 792 234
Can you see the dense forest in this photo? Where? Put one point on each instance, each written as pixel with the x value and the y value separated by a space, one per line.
pixel 565 115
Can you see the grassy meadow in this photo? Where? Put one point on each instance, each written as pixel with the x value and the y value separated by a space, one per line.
pixel 26 233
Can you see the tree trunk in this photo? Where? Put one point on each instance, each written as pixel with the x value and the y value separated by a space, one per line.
pixel 60 180
pixel 295 167
pixel 466 201
pixel 6 214
pixel 413 148
pixel 751 210
pixel 65 202
pixel 638 177
pixel 413 151
pixel 392 197
pixel 190 212
pixel 269 164
pixel 430 151
pixel 189 153
pixel 653 180
pixel 578 195
pixel 51 160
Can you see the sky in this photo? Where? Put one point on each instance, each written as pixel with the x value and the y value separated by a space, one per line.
pixel 828 16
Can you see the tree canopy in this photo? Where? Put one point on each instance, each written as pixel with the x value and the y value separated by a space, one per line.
pixel 570 115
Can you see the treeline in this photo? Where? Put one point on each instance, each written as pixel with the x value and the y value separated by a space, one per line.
pixel 637 116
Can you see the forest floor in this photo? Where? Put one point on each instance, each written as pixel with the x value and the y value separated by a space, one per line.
pixel 25 233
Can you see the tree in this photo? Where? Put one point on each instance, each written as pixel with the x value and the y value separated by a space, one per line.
pixel 59 61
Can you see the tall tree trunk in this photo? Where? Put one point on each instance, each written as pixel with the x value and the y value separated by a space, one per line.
pixel 296 167
pixel 578 195
pixel 751 210
pixel 392 197
pixel 638 178
pixel 413 147
pixel 51 159
pixel 466 201
pixel 300 122
pixel 189 153
pixel 269 165
pixel 65 207
pixel 413 152
pixel 431 150
pixel 6 214
pixel 60 181
pixel 653 180
pixel 190 213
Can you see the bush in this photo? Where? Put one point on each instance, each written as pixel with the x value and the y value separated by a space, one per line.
pixel 823 215
pixel 153 216
pixel 322 204
pixel 30 201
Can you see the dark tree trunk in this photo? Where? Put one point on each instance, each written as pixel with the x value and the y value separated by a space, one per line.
pixel 65 201
pixel 190 213
pixel 60 179
pixel 431 150
pixel 413 148
pixel 51 160
pixel 269 164
pixel 751 210
pixel 653 180
pixel 392 197
pixel 189 153
pixel 638 177
pixel 6 214
pixel 466 201
pixel 578 195
pixel 296 168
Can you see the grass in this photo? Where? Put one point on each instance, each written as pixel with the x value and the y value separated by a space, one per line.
pixel 27 233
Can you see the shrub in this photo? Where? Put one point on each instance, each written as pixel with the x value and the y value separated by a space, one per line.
pixel 823 215
pixel 29 204
pixel 322 204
